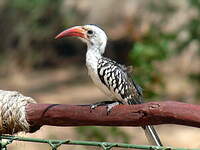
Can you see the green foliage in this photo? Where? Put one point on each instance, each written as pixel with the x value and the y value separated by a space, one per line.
pixel 102 133
pixel 34 19
pixel 156 47
pixel 192 28
pixel 31 26
pixel 153 48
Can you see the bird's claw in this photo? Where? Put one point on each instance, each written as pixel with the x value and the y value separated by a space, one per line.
pixel 109 105
pixel 93 106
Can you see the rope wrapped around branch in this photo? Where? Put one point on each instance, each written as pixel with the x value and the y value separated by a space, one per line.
pixel 21 113
pixel 13 113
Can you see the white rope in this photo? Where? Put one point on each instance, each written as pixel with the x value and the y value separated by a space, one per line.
pixel 12 112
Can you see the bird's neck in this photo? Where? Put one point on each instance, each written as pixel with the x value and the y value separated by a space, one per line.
pixel 92 56
pixel 93 53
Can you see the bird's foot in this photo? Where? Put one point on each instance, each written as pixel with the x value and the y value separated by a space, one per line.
pixel 109 105
pixel 103 103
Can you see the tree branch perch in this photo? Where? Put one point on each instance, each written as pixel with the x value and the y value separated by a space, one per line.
pixel 153 113
pixel 21 113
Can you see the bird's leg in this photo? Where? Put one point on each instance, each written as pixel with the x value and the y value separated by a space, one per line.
pixel 109 105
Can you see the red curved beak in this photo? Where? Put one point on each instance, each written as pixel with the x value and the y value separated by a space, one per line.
pixel 77 31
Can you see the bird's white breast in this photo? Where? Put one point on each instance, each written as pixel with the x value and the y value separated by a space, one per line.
pixel 91 63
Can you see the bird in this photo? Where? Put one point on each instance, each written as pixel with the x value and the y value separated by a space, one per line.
pixel 111 77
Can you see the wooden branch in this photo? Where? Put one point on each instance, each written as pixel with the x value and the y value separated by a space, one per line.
pixel 153 113
pixel 22 113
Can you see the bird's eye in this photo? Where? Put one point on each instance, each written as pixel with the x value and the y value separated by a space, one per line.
pixel 90 32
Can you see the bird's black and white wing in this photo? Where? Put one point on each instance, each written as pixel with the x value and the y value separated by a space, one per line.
pixel 115 77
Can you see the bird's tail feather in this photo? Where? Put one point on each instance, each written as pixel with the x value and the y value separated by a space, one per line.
pixel 152 136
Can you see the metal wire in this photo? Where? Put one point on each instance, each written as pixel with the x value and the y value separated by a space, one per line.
pixel 54 144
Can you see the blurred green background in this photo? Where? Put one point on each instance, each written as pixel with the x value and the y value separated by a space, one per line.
pixel 160 39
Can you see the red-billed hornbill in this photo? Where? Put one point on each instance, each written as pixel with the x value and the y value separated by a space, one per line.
pixel 111 77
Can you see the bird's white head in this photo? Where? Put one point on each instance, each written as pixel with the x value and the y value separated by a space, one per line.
pixel 94 36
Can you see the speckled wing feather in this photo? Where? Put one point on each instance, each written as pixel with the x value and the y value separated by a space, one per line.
pixel 117 80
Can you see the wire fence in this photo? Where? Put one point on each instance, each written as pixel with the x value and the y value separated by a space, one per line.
pixel 5 140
